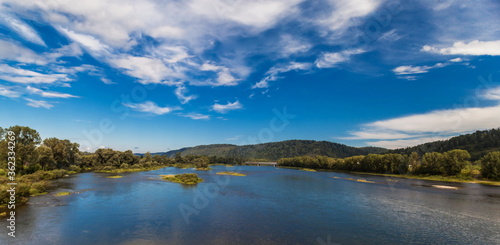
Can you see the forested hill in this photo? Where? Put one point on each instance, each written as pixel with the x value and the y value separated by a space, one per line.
pixel 477 144
pixel 277 150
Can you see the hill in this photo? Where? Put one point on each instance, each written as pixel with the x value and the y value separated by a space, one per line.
pixel 477 144
pixel 277 150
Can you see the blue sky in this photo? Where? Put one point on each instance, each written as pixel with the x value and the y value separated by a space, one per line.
pixel 160 75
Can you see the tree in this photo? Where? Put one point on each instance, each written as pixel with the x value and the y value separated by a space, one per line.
pixel 490 165
pixel 201 162
pixel 178 158
pixel 26 140
pixel 432 163
pixel 455 161
pixel 45 157
pixel 413 161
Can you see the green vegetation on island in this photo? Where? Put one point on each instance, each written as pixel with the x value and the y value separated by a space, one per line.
pixel 231 173
pixel 187 179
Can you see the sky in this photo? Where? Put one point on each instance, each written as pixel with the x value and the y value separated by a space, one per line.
pixel 157 75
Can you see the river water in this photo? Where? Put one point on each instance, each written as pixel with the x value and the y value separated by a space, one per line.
pixel 268 206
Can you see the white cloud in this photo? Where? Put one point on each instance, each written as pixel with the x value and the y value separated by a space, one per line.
pixel 273 73
pixel 150 107
pixel 475 47
pixel 9 92
pixel 147 70
pixel 227 107
pixel 47 94
pixel 237 137
pixel 328 60
pixel 456 60
pixel 18 75
pixel 107 81
pixel 196 116
pixel 492 94
pixel 377 135
pixel 447 121
pixel 405 70
pixel 395 144
pixel 14 52
pixel 181 91
pixel 224 76
pixel 22 29
pixel 39 103
pixel 257 14
pixel 435 125
pixel 91 43
pixel 293 45
pixel 346 13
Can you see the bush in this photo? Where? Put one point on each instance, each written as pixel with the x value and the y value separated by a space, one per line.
pixel 490 166
pixel 124 166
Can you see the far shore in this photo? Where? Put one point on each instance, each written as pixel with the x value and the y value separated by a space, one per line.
pixel 406 176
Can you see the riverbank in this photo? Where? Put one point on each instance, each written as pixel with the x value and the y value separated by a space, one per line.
pixel 409 176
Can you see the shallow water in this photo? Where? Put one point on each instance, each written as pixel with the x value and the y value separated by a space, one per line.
pixel 268 206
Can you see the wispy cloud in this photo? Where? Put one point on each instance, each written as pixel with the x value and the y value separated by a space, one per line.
pixel 181 92
pixel 196 116
pixel 39 103
pixel 237 137
pixel 12 51
pixel 275 71
pixel 19 75
pixel 328 60
pixel 48 94
pixel 227 107
pixel 22 29
pixel 9 92
pixel 475 47
pixel 432 126
pixel 150 107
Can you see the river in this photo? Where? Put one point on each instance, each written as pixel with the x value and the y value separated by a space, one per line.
pixel 268 206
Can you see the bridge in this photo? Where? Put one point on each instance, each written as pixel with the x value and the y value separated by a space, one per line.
pixel 274 164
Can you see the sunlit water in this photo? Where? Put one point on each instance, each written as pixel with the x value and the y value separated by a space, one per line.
pixel 269 206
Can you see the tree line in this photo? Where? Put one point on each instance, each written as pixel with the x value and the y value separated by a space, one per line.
pixel 451 163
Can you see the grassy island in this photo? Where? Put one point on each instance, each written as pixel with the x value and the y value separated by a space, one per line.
pixel 231 173
pixel 187 179
pixel 65 193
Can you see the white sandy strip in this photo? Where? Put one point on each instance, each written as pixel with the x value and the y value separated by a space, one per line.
pixel 445 187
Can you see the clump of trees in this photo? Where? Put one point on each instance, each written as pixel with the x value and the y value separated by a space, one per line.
pixel 451 163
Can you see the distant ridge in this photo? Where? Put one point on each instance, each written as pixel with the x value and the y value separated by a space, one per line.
pixel 477 144
pixel 277 150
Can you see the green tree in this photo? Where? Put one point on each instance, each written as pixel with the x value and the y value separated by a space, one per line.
pixel 455 161
pixel 45 157
pixel 490 165
pixel 26 140
pixel 432 163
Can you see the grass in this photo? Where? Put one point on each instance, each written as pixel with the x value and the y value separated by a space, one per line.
pixel 231 173
pixel 357 180
pixel 207 168
pixel 310 170
pixel 114 177
pixel 187 179
pixel 64 193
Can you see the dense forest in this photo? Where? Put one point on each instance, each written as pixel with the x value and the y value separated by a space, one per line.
pixel 477 144
pixel 277 150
